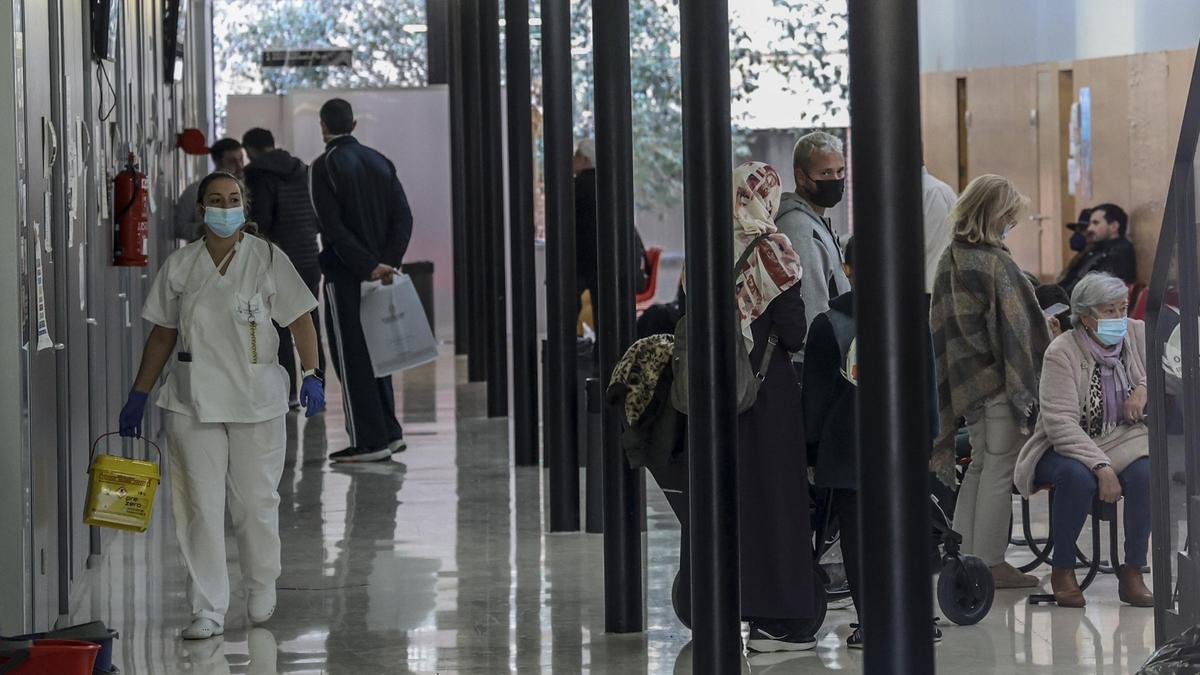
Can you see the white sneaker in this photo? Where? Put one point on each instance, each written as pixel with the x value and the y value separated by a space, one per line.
pixel 398 445
pixel 203 629
pixel 260 606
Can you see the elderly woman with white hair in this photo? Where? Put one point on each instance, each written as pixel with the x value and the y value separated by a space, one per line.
pixel 1091 435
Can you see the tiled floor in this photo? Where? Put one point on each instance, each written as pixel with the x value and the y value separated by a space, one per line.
pixel 436 562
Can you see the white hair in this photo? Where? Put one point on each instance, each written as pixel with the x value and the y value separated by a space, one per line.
pixel 812 143
pixel 586 148
pixel 1093 291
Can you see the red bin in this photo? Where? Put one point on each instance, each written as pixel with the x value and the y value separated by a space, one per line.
pixel 51 657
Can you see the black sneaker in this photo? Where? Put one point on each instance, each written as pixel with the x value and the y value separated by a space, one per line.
pixel 855 641
pixel 361 455
pixel 762 641
pixel 398 445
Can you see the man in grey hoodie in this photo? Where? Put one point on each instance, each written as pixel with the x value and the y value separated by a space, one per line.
pixel 820 170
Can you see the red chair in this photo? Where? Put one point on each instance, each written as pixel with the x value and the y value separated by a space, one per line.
pixel 1137 308
pixel 645 297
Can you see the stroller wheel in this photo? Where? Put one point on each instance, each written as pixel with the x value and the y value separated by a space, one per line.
pixel 682 601
pixel 965 589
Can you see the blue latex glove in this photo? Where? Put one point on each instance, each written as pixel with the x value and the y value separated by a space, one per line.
pixel 130 421
pixel 312 395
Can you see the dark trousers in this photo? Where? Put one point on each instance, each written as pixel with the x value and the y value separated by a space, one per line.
pixel 845 503
pixel 287 348
pixel 369 402
pixel 1074 489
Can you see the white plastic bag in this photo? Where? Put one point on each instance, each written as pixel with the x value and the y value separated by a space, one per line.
pixel 395 326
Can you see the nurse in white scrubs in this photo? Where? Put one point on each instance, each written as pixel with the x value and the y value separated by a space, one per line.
pixel 225 397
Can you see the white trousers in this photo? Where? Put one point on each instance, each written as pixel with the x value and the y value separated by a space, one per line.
pixel 984 504
pixel 211 463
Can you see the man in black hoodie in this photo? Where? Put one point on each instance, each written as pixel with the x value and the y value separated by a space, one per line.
pixel 365 229
pixel 281 207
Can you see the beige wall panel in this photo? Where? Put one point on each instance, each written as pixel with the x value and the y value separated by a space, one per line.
pixel 1179 79
pixel 1003 141
pixel 1150 154
pixel 939 124
pixel 1109 83
pixel 1050 171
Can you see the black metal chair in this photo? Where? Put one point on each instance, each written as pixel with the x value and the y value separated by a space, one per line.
pixel 1101 512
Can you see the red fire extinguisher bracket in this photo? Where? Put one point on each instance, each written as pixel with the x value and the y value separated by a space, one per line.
pixel 131 216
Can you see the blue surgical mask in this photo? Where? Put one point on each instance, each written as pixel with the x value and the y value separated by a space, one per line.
pixel 224 223
pixel 1007 229
pixel 1112 331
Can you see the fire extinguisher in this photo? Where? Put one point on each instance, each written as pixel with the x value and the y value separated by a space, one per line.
pixel 131 216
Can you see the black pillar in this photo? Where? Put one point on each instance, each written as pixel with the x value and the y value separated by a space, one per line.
pixel 561 301
pixel 475 191
pixel 462 302
pixel 496 311
pixel 615 312
pixel 893 429
pixel 520 223
pixel 712 419
pixel 437 41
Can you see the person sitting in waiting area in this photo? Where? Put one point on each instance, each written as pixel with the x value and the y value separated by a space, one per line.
pixel 1091 437
pixel 1107 248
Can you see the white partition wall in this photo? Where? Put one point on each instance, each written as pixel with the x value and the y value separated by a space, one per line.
pixel 411 127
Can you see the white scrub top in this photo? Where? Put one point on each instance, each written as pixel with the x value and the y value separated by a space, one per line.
pixel 224 324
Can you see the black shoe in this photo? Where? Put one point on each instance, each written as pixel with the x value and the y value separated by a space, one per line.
pixel 398 445
pixel 855 641
pixel 361 455
pixel 764 641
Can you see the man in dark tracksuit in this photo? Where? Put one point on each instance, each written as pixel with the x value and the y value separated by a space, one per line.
pixel 365 228
pixel 282 208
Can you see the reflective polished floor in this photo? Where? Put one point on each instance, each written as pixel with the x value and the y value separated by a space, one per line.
pixel 435 562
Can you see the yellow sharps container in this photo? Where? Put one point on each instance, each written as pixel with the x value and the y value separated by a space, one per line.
pixel 121 491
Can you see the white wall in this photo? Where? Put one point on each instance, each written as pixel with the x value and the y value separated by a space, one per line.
pixel 962 34
pixel 409 126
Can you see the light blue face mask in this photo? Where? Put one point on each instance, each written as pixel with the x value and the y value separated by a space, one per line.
pixel 1112 331
pixel 224 223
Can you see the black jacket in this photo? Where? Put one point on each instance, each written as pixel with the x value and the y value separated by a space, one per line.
pixel 829 399
pixel 281 206
pixel 364 216
pixel 586 265
pixel 1114 256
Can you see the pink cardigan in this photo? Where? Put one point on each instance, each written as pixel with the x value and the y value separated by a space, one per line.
pixel 1066 380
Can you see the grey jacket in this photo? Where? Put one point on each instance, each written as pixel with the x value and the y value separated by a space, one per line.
pixel 820 255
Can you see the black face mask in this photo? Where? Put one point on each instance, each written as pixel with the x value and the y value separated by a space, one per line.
pixel 1078 241
pixel 829 192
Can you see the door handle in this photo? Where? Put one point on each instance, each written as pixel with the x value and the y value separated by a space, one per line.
pixel 52 135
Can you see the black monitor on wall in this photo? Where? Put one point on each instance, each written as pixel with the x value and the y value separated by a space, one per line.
pixel 105 19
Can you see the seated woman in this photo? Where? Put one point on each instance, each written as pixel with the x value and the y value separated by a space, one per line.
pixel 1091 436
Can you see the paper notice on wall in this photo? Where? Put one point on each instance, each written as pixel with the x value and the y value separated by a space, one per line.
pixel 82 276
pixel 48 214
pixel 43 327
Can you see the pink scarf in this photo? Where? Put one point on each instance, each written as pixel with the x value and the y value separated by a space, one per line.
pixel 774 266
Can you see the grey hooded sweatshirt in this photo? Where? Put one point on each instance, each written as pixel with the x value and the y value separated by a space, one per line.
pixel 820 255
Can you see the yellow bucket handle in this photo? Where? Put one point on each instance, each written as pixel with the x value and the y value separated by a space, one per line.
pixel 92 454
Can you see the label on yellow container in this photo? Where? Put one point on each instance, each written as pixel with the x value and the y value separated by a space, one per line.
pixel 121 493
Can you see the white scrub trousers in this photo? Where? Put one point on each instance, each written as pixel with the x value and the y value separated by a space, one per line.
pixel 210 463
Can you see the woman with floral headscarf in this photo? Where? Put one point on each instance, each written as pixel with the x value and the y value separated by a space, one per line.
pixel 776 542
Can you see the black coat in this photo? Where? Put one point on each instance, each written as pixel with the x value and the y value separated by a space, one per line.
pixel 281 206
pixel 587 269
pixel 1115 256
pixel 364 214
pixel 773 513
pixel 829 400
